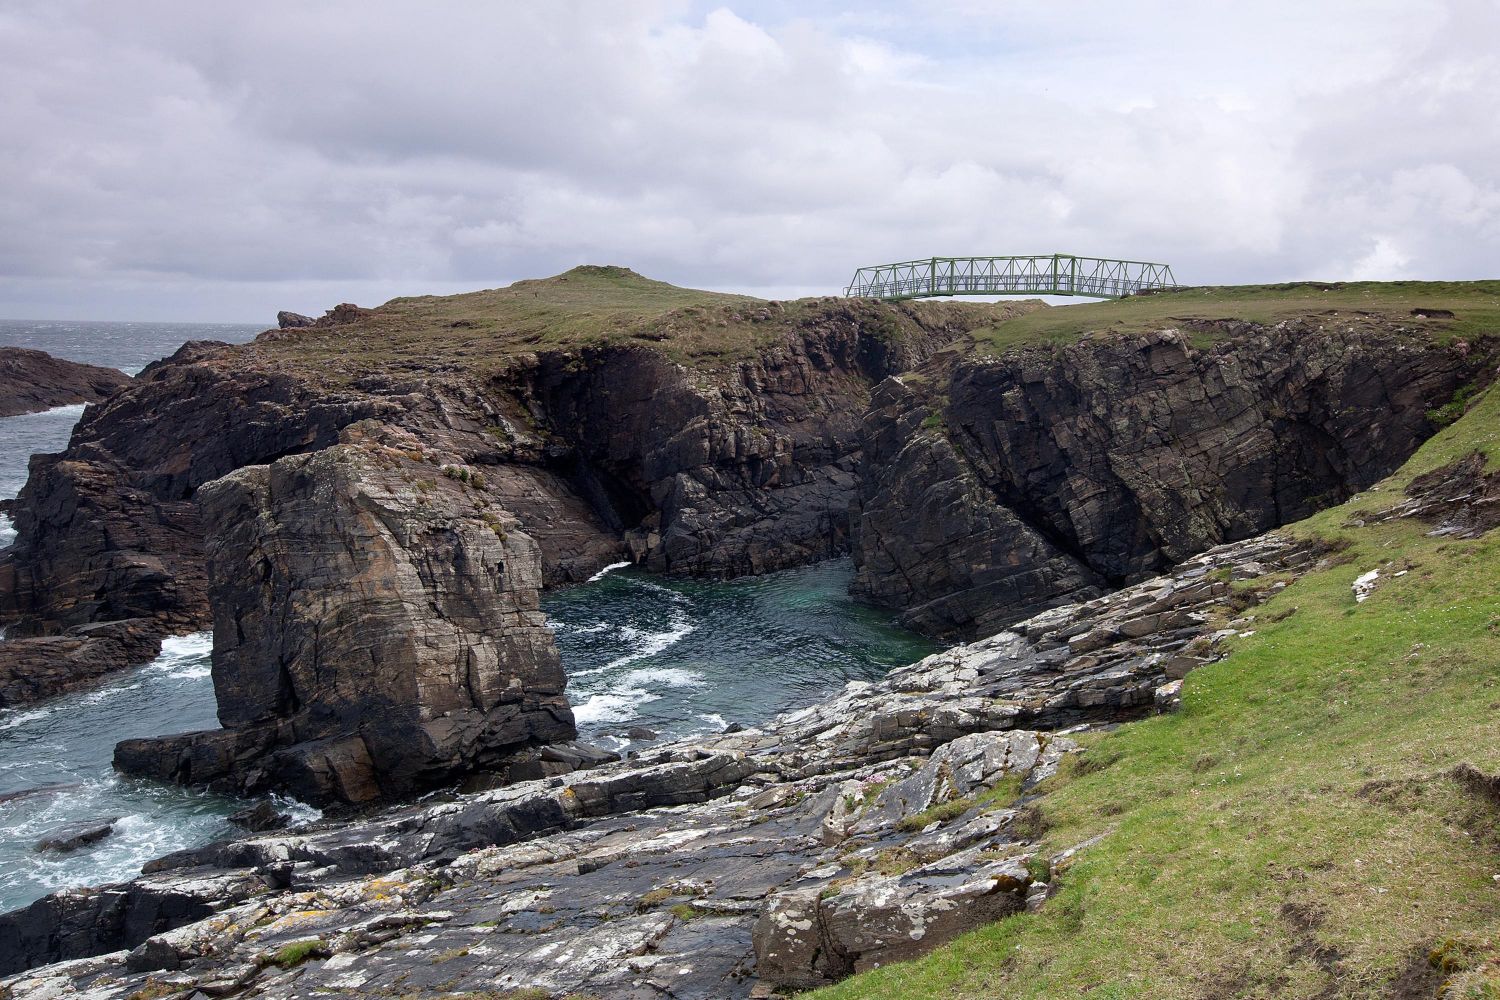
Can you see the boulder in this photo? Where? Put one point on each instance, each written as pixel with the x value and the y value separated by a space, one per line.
pixel 80 833
pixel 293 321
pixel 260 817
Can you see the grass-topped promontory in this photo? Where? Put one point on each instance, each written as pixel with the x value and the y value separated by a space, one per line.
pixel 1302 828
pixel 594 307
pixel 1441 309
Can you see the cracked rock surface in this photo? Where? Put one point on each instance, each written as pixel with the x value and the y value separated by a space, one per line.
pixel 861 830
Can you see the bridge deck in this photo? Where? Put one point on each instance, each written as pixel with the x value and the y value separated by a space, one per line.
pixel 1049 274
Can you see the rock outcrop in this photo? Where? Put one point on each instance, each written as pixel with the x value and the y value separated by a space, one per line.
pixel 861 830
pixel 605 453
pixel 32 669
pixel 31 381
pixel 376 632
pixel 993 488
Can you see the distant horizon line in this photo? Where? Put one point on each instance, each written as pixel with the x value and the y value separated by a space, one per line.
pixel 138 322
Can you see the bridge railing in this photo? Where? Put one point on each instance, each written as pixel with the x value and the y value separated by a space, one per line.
pixel 1050 274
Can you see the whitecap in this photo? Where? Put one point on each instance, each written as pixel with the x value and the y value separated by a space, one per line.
pixel 95 697
pixel 7 530
pixel 11 719
pixel 652 643
pixel 594 629
pixel 299 812
pixel 714 719
pixel 618 705
pixel 666 676
pixel 608 570
pixel 185 655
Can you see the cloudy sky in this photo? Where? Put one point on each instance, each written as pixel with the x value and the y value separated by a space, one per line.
pixel 183 160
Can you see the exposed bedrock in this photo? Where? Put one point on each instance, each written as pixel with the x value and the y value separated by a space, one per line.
pixel 992 489
pixel 376 632
pixel 861 830
pixel 109 528
pixel 603 454
pixel 744 471
pixel 31 381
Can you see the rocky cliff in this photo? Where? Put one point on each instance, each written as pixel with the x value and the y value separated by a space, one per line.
pixel 31 381
pixel 993 487
pixel 611 448
pixel 376 632
pixel 599 416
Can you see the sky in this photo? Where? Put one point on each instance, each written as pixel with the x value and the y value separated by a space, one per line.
pixel 182 160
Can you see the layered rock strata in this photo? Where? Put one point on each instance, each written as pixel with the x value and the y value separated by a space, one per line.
pixel 31 381
pixel 601 454
pixel 862 830
pixel 992 488
pixel 376 632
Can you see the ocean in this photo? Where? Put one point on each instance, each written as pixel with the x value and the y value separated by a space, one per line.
pixel 673 656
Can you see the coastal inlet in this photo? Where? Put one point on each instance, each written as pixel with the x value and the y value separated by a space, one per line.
pixel 665 656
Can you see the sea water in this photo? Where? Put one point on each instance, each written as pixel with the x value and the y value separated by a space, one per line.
pixel 676 657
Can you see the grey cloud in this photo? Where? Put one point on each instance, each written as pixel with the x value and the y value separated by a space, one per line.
pixel 206 161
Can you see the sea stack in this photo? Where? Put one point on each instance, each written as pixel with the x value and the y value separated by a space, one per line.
pixel 376 632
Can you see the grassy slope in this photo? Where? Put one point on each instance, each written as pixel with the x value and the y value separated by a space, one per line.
pixel 1475 304
pixel 1251 849
pixel 613 306
pixel 586 307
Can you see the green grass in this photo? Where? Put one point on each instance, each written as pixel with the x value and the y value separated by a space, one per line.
pixel 1475 305
pixel 592 307
pixel 290 956
pixel 1291 832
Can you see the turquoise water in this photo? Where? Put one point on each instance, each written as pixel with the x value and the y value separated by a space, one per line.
pixel 680 657
pixel 684 657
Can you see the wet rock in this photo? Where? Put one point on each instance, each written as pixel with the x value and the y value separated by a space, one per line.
pixel 40 667
pixel 80 833
pixel 641 734
pixel 31 381
pixel 260 817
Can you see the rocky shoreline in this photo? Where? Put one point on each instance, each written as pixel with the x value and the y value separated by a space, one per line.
pixel 32 381
pixel 865 829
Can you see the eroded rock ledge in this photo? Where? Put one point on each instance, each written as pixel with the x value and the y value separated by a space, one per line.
pixel 864 829
pixel 31 381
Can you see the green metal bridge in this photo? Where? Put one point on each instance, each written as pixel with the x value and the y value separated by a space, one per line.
pixel 1049 274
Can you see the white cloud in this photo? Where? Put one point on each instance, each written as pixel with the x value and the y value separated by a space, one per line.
pixel 168 159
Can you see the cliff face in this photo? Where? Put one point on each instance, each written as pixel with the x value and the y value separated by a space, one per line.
pixel 992 488
pixel 376 632
pixel 31 381
pixel 597 452
pixel 109 528
pixel 370 540
pixel 744 472
pixel 724 437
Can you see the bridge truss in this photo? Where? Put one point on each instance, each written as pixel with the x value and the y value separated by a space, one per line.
pixel 1051 274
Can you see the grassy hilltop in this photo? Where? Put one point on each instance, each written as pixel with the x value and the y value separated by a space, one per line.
pixel 1296 830
pixel 592 306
